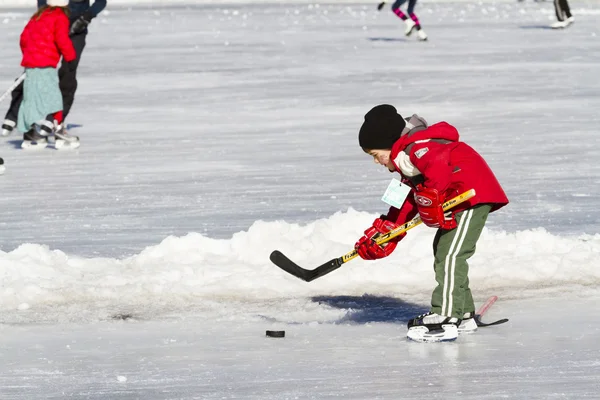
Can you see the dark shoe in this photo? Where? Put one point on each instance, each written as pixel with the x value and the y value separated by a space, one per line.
pixel 32 139
pixel 8 126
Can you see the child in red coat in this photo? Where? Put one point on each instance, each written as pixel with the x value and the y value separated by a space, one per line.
pixel 436 166
pixel 43 41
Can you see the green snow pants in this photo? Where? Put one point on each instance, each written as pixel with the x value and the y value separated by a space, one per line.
pixel 452 248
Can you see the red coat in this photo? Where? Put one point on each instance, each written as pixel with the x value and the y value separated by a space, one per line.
pixel 45 39
pixel 451 167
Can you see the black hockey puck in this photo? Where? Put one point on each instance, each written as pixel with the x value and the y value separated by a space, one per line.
pixel 276 333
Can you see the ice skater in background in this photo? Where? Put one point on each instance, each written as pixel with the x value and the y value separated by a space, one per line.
pixel 82 13
pixel 412 23
pixel 563 14
pixel 43 41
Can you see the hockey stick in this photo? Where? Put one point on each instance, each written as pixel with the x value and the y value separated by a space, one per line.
pixel 483 309
pixel 279 259
pixel 16 83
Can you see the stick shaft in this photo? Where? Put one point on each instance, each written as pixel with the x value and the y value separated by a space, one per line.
pixel 13 86
pixel 308 275
pixel 461 198
pixel 486 306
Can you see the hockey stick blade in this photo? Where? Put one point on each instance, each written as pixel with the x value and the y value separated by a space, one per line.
pixel 483 324
pixel 279 259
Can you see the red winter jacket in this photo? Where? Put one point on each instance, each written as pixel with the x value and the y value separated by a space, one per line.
pixel 45 39
pixel 443 163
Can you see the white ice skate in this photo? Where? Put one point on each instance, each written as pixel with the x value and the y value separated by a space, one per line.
pixel 562 24
pixel 410 27
pixel 64 141
pixel 430 327
pixel 468 324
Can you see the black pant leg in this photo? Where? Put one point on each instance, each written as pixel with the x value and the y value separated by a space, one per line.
pixel 558 10
pixel 562 10
pixel 565 7
pixel 411 6
pixel 16 99
pixel 67 74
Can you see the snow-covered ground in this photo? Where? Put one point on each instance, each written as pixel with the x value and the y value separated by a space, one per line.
pixel 137 266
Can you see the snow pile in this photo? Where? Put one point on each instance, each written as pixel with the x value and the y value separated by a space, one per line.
pixel 182 272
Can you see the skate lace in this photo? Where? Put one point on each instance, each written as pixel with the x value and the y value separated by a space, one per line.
pixel 424 315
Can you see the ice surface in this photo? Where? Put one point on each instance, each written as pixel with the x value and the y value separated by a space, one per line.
pixel 137 266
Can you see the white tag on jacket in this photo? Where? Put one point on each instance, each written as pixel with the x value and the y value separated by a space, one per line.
pixel 396 193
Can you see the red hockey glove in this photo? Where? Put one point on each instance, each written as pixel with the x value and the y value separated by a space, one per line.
pixel 369 250
pixel 430 209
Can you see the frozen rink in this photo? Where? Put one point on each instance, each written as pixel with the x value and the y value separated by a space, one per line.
pixel 137 266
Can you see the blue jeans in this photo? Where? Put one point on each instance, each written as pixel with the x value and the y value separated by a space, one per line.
pixel 411 5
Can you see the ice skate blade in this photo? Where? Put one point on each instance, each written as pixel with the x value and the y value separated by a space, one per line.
pixel 38 145
pixel 421 334
pixel 66 145
pixel 562 24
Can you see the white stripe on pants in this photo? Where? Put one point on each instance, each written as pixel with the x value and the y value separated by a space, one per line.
pixel 450 261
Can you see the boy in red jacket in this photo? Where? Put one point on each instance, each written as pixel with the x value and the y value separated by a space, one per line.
pixel 437 167
pixel 43 41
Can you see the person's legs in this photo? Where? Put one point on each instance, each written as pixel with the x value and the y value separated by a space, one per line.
pixel 413 23
pixel 15 103
pixel 41 100
pixel 67 74
pixel 397 11
pixel 411 6
pixel 421 35
pixel 563 14
pixel 558 10
pixel 12 115
pixel 415 19
pixel 452 297
pixel 565 7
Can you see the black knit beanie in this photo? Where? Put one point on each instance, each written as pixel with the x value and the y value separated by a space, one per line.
pixel 382 128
